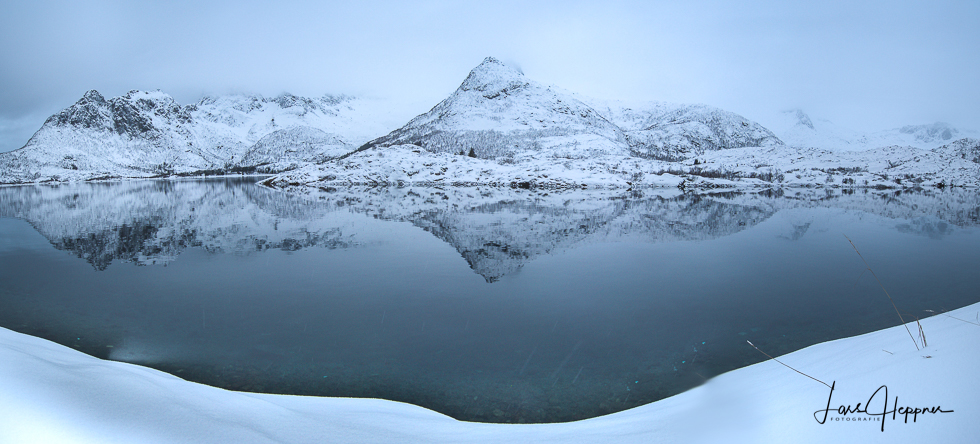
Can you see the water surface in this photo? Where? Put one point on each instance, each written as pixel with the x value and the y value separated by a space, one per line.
pixel 485 304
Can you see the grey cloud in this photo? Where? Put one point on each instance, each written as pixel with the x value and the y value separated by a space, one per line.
pixel 874 65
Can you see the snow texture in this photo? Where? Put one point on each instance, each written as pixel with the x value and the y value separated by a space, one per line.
pixel 766 167
pixel 966 148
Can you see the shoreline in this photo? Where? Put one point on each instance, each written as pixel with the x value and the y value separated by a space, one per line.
pixel 65 396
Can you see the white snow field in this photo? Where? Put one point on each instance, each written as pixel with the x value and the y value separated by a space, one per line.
pixel 53 394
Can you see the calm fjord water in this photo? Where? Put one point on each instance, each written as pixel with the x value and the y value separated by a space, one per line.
pixel 485 304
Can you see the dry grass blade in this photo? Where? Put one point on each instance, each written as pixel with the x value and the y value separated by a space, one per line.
pixel 958 319
pixel 922 333
pixel 787 366
pixel 886 294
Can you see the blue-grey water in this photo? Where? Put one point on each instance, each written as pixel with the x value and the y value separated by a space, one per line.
pixel 486 304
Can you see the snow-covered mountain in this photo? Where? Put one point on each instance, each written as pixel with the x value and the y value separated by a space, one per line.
pixel 796 128
pixel 146 134
pixel 289 148
pixel 920 136
pixel 526 134
pixel 515 131
pixel 668 131
pixel 497 112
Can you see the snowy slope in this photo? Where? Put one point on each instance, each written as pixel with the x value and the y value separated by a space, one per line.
pixel 290 148
pixel 893 166
pixel 411 165
pixel 773 166
pixel 966 148
pixel 668 131
pixel 928 135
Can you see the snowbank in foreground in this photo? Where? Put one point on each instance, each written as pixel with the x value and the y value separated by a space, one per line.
pixel 50 393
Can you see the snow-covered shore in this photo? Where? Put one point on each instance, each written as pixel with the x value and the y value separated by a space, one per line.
pixel 51 393
pixel 781 166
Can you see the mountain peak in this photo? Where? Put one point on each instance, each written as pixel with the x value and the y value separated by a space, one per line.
pixel 801 117
pixel 93 96
pixel 493 76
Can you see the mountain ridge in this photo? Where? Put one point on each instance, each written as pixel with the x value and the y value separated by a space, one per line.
pixel 798 129
pixel 523 133
pixel 148 134
pixel 498 113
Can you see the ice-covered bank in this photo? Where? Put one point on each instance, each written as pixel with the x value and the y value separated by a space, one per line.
pixel 409 165
pixel 50 393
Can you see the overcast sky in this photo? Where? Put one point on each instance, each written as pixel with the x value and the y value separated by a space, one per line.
pixel 863 65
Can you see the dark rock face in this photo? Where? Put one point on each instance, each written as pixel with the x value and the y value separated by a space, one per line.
pixel 127 119
pixel 803 119
pixel 127 115
pixel 89 112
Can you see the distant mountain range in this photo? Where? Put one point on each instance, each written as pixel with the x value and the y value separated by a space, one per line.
pixel 522 133
pixel 147 134
pixel 796 128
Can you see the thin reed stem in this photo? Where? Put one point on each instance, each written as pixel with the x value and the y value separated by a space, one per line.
pixel 954 317
pixel 787 366
pixel 886 292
